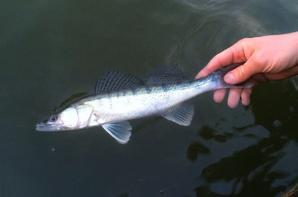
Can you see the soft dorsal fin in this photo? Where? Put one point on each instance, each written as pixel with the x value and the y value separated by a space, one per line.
pixel 121 131
pixel 115 81
pixel 181 114
pixel 165 75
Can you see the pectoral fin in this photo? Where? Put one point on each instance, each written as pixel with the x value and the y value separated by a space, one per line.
pixel 121 131
pixel 181 114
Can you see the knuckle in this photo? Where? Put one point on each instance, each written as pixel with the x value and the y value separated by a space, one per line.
pixel 257 61
pixel 243 41
pixel 240 72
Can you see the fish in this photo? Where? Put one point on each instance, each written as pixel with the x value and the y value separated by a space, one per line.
pixel 120 97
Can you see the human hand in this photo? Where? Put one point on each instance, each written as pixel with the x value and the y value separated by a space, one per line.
pixel 264 58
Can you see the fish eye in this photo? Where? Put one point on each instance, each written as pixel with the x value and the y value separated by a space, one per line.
pixel 53 118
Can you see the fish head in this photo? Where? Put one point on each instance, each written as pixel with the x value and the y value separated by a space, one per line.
pixel 71 118
pixel 66 120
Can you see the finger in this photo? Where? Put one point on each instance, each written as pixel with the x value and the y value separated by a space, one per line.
pixel 242 72
pixel 245 96
pixel 203 73
pixel 234 97
pixel 219 95
pixel 283 74
pixel 233 54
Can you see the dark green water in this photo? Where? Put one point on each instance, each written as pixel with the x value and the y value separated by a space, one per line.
pixel 51 50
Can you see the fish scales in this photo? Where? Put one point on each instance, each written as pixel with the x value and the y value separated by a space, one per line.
pixel 141 102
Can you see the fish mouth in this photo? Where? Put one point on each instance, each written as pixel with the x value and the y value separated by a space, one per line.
pixel 47 127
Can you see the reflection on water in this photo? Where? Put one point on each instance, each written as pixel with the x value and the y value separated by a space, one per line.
pixel 259 167
pixel 53 49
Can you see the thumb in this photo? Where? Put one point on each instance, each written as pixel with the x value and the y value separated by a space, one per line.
pixel 241 73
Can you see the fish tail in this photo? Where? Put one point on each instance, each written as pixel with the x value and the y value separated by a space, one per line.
pixel 216 81
pixel 219 75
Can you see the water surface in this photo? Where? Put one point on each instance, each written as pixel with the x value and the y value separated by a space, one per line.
pixel 51 50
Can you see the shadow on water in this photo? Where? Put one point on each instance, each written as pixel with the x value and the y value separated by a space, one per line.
pixel 251 171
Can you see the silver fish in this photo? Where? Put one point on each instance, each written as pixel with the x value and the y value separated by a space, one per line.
pixel 121 97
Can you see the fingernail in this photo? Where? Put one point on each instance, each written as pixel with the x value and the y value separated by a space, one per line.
pixel 229 78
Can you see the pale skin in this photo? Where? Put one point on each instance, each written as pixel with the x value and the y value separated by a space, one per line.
pixel 272 57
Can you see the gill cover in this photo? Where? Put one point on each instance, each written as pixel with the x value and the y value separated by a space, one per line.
pixel 69 117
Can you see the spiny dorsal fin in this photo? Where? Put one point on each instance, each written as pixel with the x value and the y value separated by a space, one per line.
pixel 181 114
pixel 121 131
pixel 115 81
pixel 165 75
